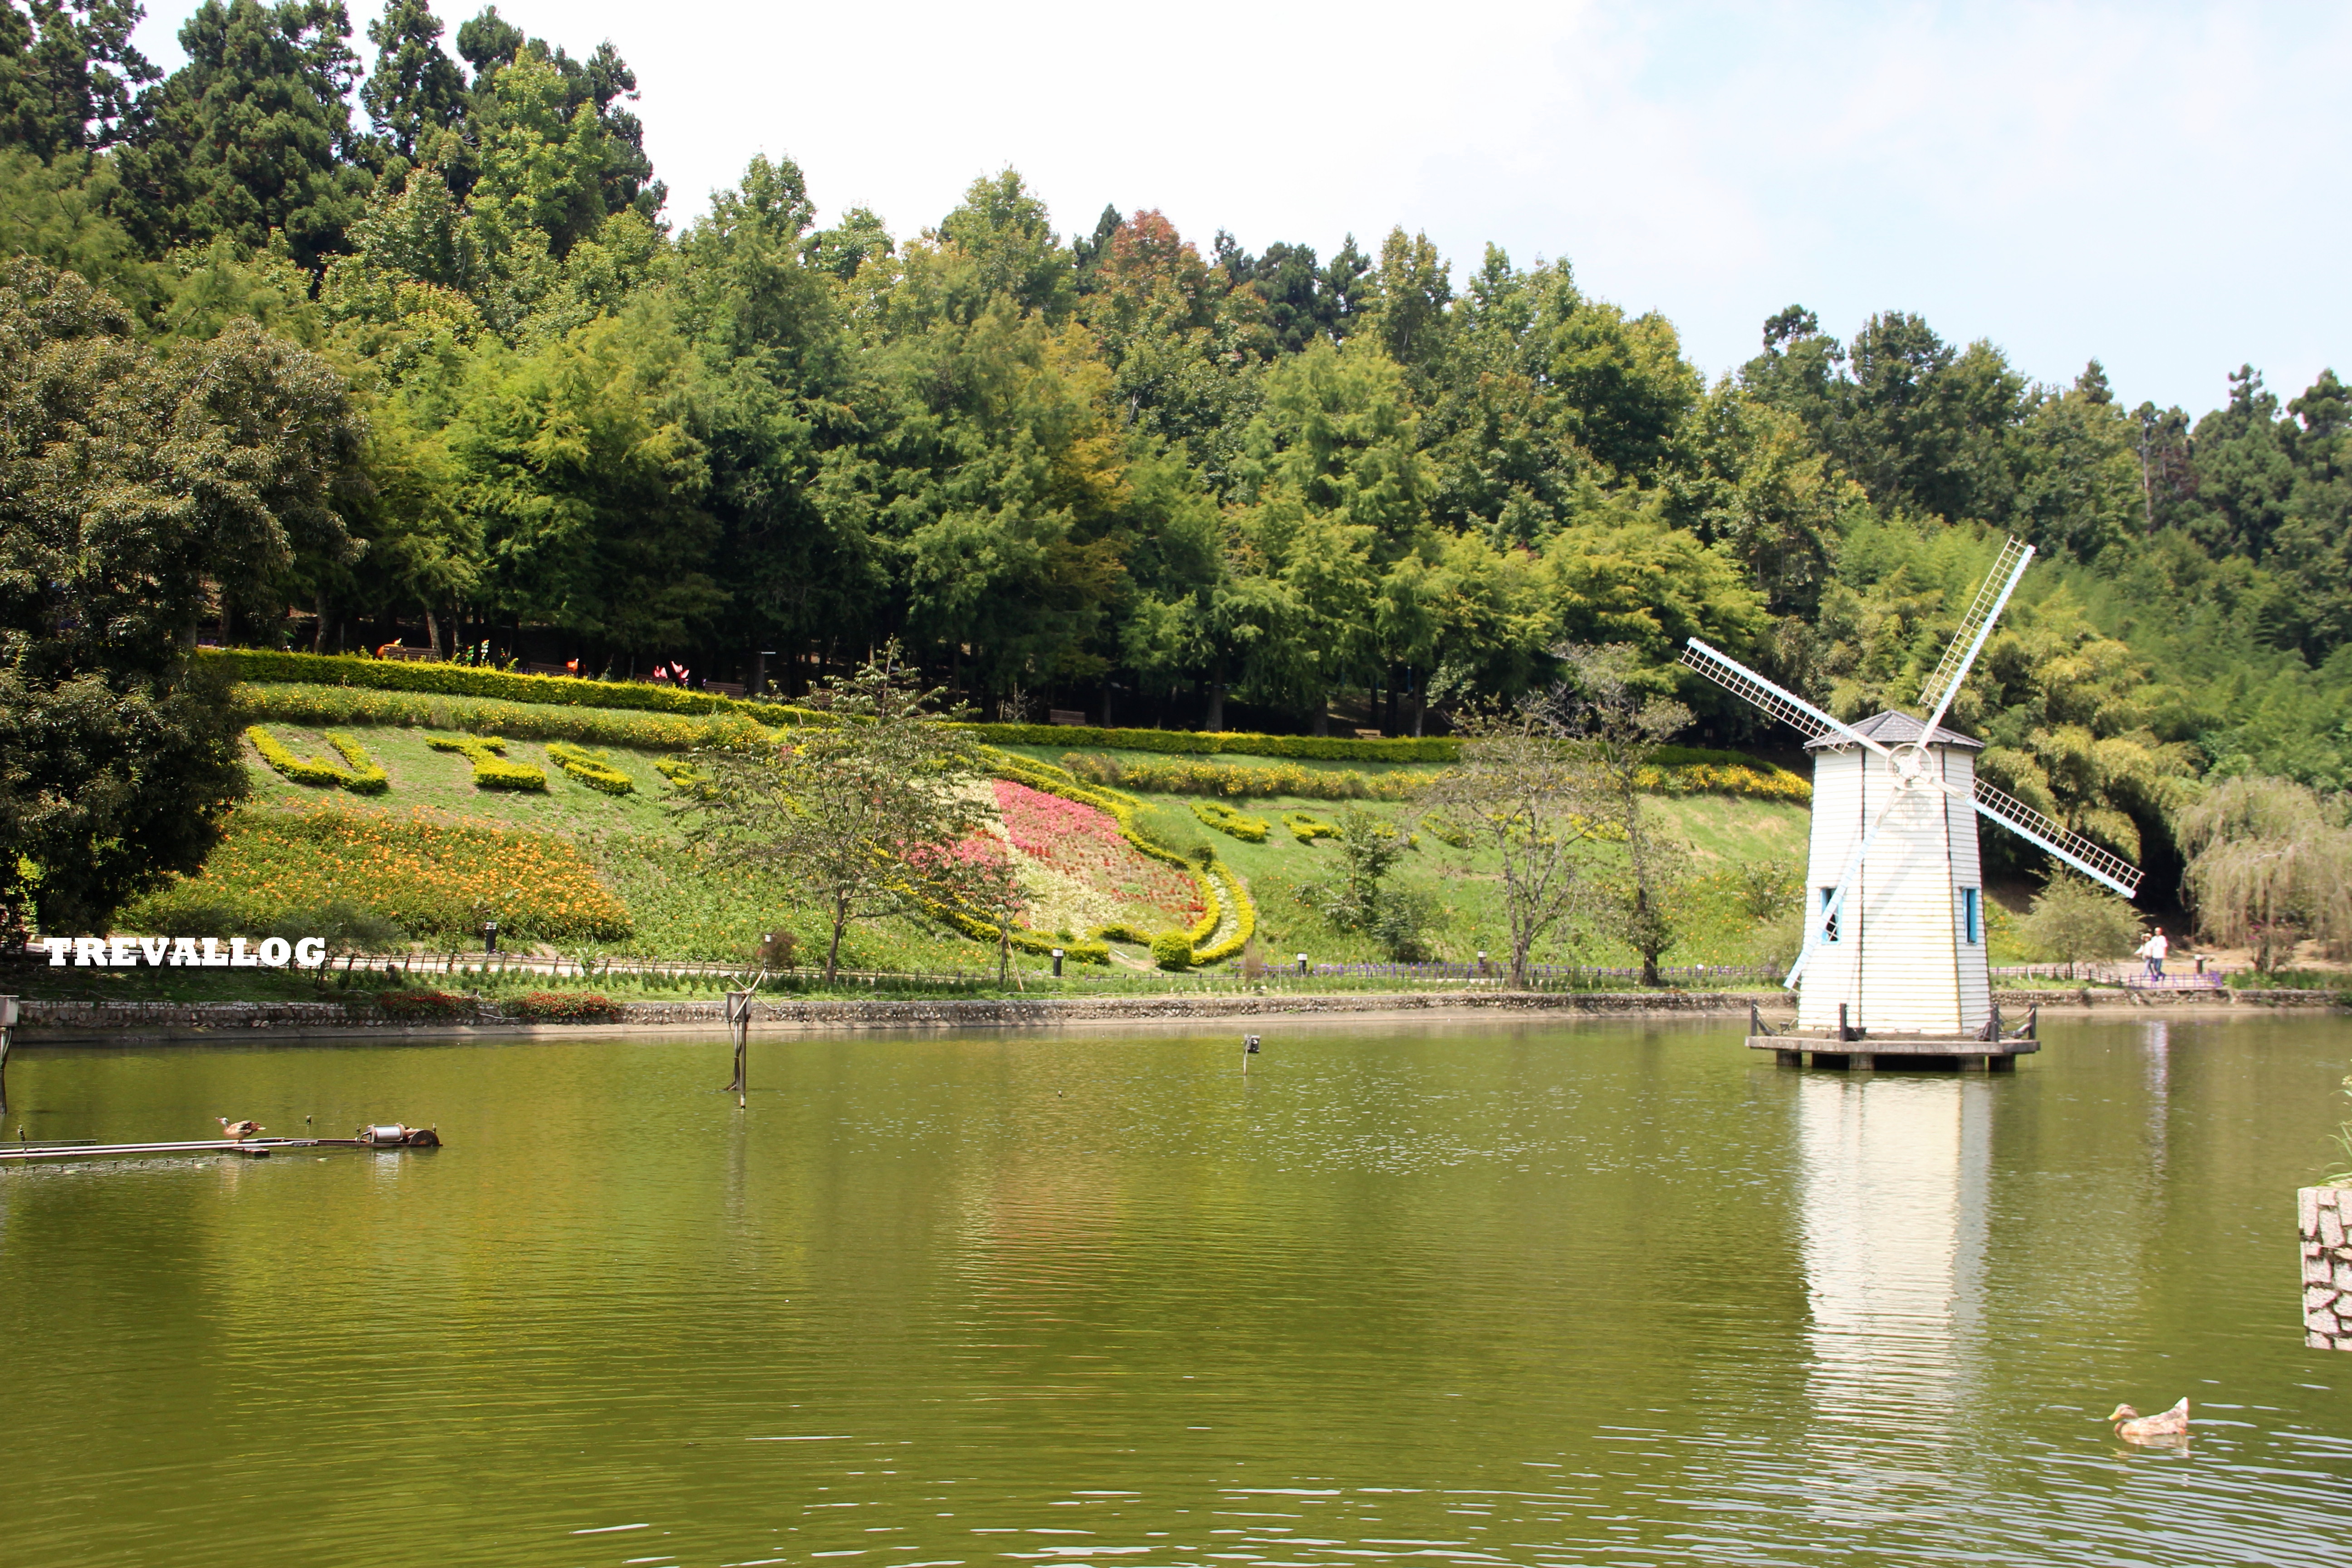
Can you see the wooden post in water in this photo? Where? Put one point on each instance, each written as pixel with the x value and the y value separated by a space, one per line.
pixel 7 1035
pixel 738 1024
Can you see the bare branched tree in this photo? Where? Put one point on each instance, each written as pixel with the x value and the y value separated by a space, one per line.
pixel 1520 791
pixel 1617 726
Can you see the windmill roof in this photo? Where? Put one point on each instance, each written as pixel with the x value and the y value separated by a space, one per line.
pixel 1892 729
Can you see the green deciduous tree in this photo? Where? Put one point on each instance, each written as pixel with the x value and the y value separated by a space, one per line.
pixel 138 490
pixel 866 815
pixel 2072 920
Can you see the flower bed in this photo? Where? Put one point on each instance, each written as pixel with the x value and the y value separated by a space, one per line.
pixel 427 875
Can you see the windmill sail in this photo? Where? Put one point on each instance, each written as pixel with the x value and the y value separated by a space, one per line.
pixel 2100 864
pixel 1785 706
pixel 1975 626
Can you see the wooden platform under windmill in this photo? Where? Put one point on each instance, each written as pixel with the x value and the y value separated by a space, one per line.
pixel 1994 1049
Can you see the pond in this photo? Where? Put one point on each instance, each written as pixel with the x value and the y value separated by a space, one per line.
pixel 1544 1294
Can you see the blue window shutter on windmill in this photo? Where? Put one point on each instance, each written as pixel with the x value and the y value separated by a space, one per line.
pixel 1972 916
pixel 1829 932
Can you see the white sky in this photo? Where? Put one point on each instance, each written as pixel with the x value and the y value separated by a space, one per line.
pixel 2160 185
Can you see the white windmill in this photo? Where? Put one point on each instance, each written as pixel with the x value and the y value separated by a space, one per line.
pixel 1895 926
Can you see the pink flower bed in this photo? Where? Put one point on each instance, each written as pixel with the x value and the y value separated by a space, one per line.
pixel 1084 843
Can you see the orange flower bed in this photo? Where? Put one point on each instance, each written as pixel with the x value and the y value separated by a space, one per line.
pixel 429 875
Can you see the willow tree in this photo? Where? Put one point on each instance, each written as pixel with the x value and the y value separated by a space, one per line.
pixel 2269 863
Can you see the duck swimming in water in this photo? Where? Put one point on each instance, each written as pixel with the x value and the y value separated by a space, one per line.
pixel 2133 1427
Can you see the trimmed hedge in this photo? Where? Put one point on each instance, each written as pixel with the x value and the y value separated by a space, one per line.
pixel 261 664
pixel 364 776
pixel 1172 950
pixel 597 772
pixel 1307 829
pixel 322 705
pixel 491 769
pixel 1216 814
pixel 1202 742
pixel 1231 783
pixel 1244 921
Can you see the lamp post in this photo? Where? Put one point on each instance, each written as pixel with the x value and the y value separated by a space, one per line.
pixel 1057 964
pixel 489 937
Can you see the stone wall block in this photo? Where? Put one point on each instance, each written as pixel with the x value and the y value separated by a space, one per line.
pixel 2321 1217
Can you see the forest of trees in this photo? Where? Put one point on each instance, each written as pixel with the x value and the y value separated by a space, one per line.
pixel 1158 478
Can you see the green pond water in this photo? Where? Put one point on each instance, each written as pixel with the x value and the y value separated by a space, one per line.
pixel 1587 1294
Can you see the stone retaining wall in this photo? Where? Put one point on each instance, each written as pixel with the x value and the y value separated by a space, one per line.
pixel 2324 1216
pixel 68 1020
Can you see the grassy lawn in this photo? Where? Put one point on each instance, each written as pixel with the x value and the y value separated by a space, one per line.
pixel 680 904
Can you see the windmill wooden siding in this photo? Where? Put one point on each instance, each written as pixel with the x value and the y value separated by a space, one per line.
pixel 1902 963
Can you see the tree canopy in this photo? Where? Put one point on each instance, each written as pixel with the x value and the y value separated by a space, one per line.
pixel 1122 468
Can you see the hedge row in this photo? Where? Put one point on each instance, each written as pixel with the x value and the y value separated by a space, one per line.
pixel 317 706
pixel 260 666
pixel 1239 782
pixel 491 769
pixel 1199 742
pixel 363 777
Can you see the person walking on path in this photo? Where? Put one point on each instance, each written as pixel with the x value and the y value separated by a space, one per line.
pixel 2153 950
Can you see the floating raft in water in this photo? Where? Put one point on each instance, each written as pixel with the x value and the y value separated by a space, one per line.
pixel 253 1148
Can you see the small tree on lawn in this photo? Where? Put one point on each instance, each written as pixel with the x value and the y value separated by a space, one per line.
pixel 866 813
pixel 2072 920
pixel 2268 863
pixel 1617 727
pixel 1357 897
pixel 1521 792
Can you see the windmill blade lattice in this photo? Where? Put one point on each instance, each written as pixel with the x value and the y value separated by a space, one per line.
pixel 1785 706
pixel 2100 864
pixel 1992 595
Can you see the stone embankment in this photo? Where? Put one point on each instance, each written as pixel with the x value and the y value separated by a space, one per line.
pixel 66 1021
pixel 2324 1215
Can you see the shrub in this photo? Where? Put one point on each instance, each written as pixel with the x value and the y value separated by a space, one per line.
pixel 1123 933
pixel 491 770
pixel 1172 950
pixel 556 1006
pixel 321 775
pixel 597 772
pixel 363 777
pixel 1226 820
pixel 427 1005
pixel 1231 783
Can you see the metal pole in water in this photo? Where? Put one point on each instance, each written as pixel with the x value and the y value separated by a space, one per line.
pixel 1249 1049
